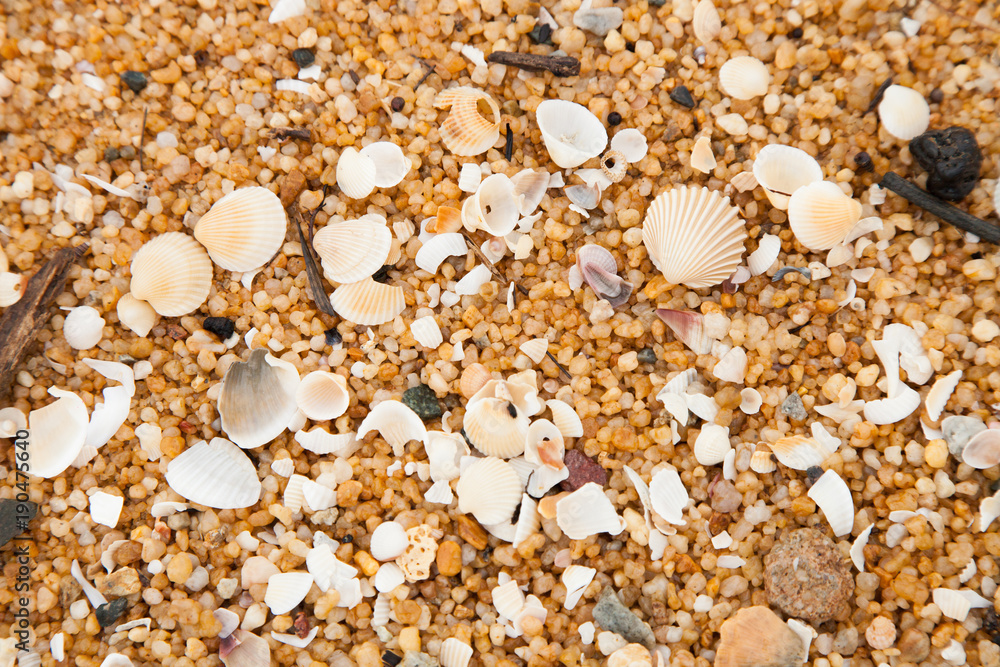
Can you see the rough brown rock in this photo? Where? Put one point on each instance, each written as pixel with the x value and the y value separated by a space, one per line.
pixel 806 577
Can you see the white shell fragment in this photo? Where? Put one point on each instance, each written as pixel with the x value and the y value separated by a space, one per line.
pixel 439 248
pixel 321 441
pixel 352 250
pixel 355 173
pixel 572 134
pixel 286 590
pixel 58 432
pixel 286 9
pixel 425 330
pixel 368 302
pixel 833 496
pixel 761 259
pixel 388 541
pixel 106 508
pixel 953 604
pixel 466 132
pixel 396 423
pixel 706 21
pixel 858 548
pixel 939 394
pixel 216 474
pixel 668 497
pixel 732 367
pixel 576 578
pixel 391 165
pixel 587 511
pixel 983 449
pixel 565 418
pixel 535 349
pixel 781 170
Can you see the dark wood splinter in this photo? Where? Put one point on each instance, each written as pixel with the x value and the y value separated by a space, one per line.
pixel 558 65
pixel 312 273
pixel 303 133
pixel 940 208
pixel 508 151
pixel 21 322
pixel 489 265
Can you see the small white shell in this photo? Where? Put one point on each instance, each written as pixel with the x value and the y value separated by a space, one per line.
pixel 668 497
pixel 544 445
pixel 904 112
pixel 744 78
pixel 761 259
pixel 587 511
pixel 173 273
pixel 355 173
pixel 454 653
pixel 493 208
pixel 508 599
pixel 489 490
pixel 470 177
pixel 137 315
pixel 535 349
pixel 58 432
pixel 894 409
pixel 396 423
pixel 11 287
pixel 217 475
pixel 800 452
pixel 318 497
pixel 439 248
pixel 712 444
pixel 381 611
pixel 322 396
pixel 368 302
pixel 83 328
pixel 106 508
pixel 833 496
pixel 820 215
pixel 293 498
pixel 391 165
pixel 243 230
pixel 572 134
pixel 858 548
pixel 702 156
pixel 326 570
pixel 939 394
pixel 529 188
pixel 257 400
pixel 12 420
pixel 388 577
pixel 781 170
pixel 286 590
pixel 352 250
pixel 425 330
pixel 321 441
pixel 750 401
pixel 732 367
pixel 576 578
pixel 496 427
pixel 983 449
pixel 706 21
pixel 953 604
pixel 528 521
pixel 388 541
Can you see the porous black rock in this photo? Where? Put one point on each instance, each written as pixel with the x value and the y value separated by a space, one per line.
pixel 220 326
pixel 952 159
pixel 422 400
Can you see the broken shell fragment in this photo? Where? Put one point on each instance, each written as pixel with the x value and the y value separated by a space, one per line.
pixel 439 248
pixel 706 21
pixel 667 496
pixel 466 131
pixel 136 315
pixel 983 449
pixel 286 590
pixel 572 134
pixel 535 349
pixel 83 328
pixel 58 432
pixel 757 637
pixel 425 331
pixel 322 396
pixel 565 418
pixel 689 327
pixel 544 445
pixel 800 452
pixel 391 165
pixel 587 511
pixel 396 422
pixel 761 259
pixel 244 229
pixel 474 378
pixel 258 399
pixel 11 287
pixel 599 269
pixel 489 490
pixel 216 474
pixel 173 273
pixel 833 496
pixel 781 170
pixel 702 156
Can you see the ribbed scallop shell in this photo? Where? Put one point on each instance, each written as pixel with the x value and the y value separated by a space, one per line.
pixel 496 427
pixel 391 165
pixel 833 496
pixel 473 379
pixel 762 460
pixel 136 315
pixel 781 170
pixel 173 273
pixel 904 112
pixel 587 511
pixel 706 21
pixel 489 490
pixel 257 400
pixel 712 444
pixel 565 418
pixel 881 633
pixel 693 236
pixel 466 132
pixel 439 248
pixel 368 302
pixel 286 590
pixel 352 250
pixel 454 653
pixel 983 449
pixel 757 636
pixel 322 395
pixel 355 173
pixel 216 475
pixel 572 134
pixel 668 497
pixel 744 78
pixel 244 229
pixel 396 423
pixel 821 215
pixel 283 467
pixel 58 432
pixel 535 349
pixel 800 452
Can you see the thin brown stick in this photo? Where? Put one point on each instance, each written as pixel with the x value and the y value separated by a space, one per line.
pixel 489 265
pixel 312 273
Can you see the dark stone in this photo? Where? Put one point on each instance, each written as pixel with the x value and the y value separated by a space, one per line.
pixel 582 469
pixel 682 96
pixel 333 337
pixel 937 96
pixel 136 81
pixel 614 118
pixel 541 34
pixel 127 152
pixel 201 57
pixel 109 612
pixel 111 154
pixel 952 158
pixel 613 616
pixel 303 57
pixel 390 659
pixel 220 326
pixel 647 356
pixel 813 474
pixel 397 104
pixel 176 331
pixel 382 275
pixel 422 400
pixel 796 33
pixel 657 3
pixel 807 577
pixel 863 161
pixel 991 625
pixel 14 519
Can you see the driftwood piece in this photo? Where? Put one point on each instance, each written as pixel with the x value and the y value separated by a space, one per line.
pixel 22 321
pixel 558 65
pixel 312 272
pixel 942 209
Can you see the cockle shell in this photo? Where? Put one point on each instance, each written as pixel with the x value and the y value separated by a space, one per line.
pixel 322 395
pixel 800 452
pixel 466 131
pixel 904 112
pixel 712 444
pixel 833 496
pixel 396 423
pixel 599 269
pixel 391 165
pixel 544 445
pixel 493 208
pixel 454 653
pixel 286 590
pixel 587 511
pixel 693 236
pixel 572 134
pixel 744 78
pixel 706 21
pixel 216 474
pixel 496 427
pixel 881 633
pixel 352 250
pixel 821 215
pixel 173 273
pixel 983 449
pixel 781 170
pixel 355 173
pixel 58 432
pixel 689 327
pixel 83 328
pixel 757 637
pixel 368 302
pixel 565 418
pixel 136 315
pixel 257 400
pixel 244 229
pixel 490 490
pixel 474 378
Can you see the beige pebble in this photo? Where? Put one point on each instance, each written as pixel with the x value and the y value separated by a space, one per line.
pixel 936 453
pixel 867 376
pixel 985 330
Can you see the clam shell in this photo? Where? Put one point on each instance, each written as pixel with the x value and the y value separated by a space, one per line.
pixel 388 541
pixel 689 327
pixel 833 496
pixel 587 511
pixel 565 418
pixel 781 170
pixel 318 497
pixel 758 636
pixel 11 287
pixel 599 269
pixel 529 189
pixel 473 378
pixel 544 445
pixel 58 432
pixel 173 273
pixel 706 22
pixel 983 449
pixel 750 401
pixel 396 423
pixel 368 302
pixel 391 165
pixel 572 134
pixel 631 143
pixel 286 590
pixel 702 156
pixel 732 367
pixel 454 653
pixel 881 633
pixel 712 445
pixel 243 230
pixel 496 427
pixel 904 112
pixel 535 349
pixel 105 508
pixel 216 474
pixel 355 173
pixel 439 248
pixel 425 330
pixel 12 420
pixel 352 250
pixel 83 328
pixel 257 400
pixel 489 490
pixel 136 315
pixel 821 215
pixel 939 394
pixel 576 578
pixel 466 131
pixel 744 78
pixel 800 452
pixel 322 396
pixel 953 604
pixel 321 441
pixel 693 236
pixel 493 208
pixel 668 497
pixel 761 259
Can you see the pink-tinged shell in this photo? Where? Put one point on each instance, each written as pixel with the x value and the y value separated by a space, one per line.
pixel 983 450
pixel 757 636
pixel 473 379
pixel 881 633
pixel 689 327
pixel 821 215
pixel 598 267
pixel 466 131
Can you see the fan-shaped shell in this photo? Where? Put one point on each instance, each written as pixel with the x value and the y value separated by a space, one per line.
pixel 689 327
pixel 761 259
pixel 83 328
pixel 565 418
pixel 904 112
pixel 388 541
pixel 58 432
pixel 489 489
pixel 706 21
pixel 983 449
pixel 352 250
pixel 391 165
pixel 493 208
pixel 668 497
pixel 474 378
pixel 244 229
pixel 322 395
pixel 496 427
pixel 136 315
pixel 781 170
pixel 448 219
pixel 535 349
pixel 216 474
pixel 693 236
pixel 173 273
pixel 576 578
pixel 800 452
pixel 587 511
pixel 466 131
pixel 732 367
pixel 368 302
pixel 744 78
pixel 833 496
pixel 454 653
pixel 821 215
pixel 425 330
pixel 286 590
pixel 712 444
pixel 257 400
pixel 572 134
pixel 396 423
pixel 355 173
pixel 757 636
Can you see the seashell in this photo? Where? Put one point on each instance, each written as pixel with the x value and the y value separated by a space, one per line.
pixel 216 474
pixel 396 423
pixel 544 445
pixel 229 620
pixel 368 302
pixel 572 134
pixel 821 215
pixel 294 639
pixel 614 166
pixel 576 578
pixel 440 492
pixel 136 315
pixel 508 599
pixel 989 510
pixel 381 611
pixel 283 467
pixel 470 176
pixel 388 577
pixel 388 541
pixel 425 330
pixel 781 170
pixel 12 420
pixel 968 572
pixel 939 394
pixel 702 156
pixel 689 327
pixel 489 490
pixel 439 248
pixel 668 497
pixel 493 208
pixel 800 452
pixel 761 259
pixel 881 633
pixel 706 21
pixel 473 378
pixel 173 273
pixel 744 181
pixel 750 401
pixel 256 570
pixel 631 143
pixel 318 497
pixel 111 660
pixel 744 78
pixel 762 460
pixel 355 173
pixel 535 349
pixel 758 636
pixel 565 418
pixel 83 328
pixel 712 444
pixel 893 409
pixel 983 449
pixel 57 646
pixel 454 653
pixel 391 165
pixel 321 441
pixel 543 478
pixel 243 230
pixel 325 569
pixel 105 508
pixel 58 432
pixel 693 236
pixel 257 400
pixel 529 189
pixel 587 511
pixel 352 250
pixel 584 196
pixel 599 268
pixel 282 10
pixel 286 590
pixel 11 287
pixel 904 112
pixel 858 548
pixel 150 436
pixel 242 648
pixel 732 367
pixel 529 521
pixel 466 131
pixel 448 219
pixel 833 496
pixel 953 604
pixel 496 427
pixel 322 396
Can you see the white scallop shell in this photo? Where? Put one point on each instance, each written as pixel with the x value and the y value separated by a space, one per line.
pixel 535 349
pixel 576 578
pixel 821 215
pixel 732 367
pixel 489 490
pixel 136 315
pixel 283 467
pixel 318 497
pixel 439 248
pixel 368 302
pixel 904 112
pixel 800 452
pixel 983 449
pixel 217 475
pixel 939 394
pixel 286 590
pixel 425 330
pixel 565 418
pixel 466 132
pixel 693 236
pixel 702 156
pixel 706 21
pixel 529 188
pixel 388 541
pixel 322 396
pixel 952 603
pixel 321 441
pixel 173 273
pixel 396 423
pixel 544 445
pixel 243 230
pixel 761 259
pixel 493 430
pixel 587 511
pixel 858 548
pixel 257 400
pixel 388 577
pixel 493 208
pixel 833 496
pixel 11 287
pixel 105 508
pixel 744 78
pixel 454 653
pixel 355 173
pixel 508 599
pixel 750 401
pixel 58 432
pixel 668 497
pixel 572 134
pixel 529 521
pixel 352 250
pixel 712 444
pixel 781 170
pixel 391 165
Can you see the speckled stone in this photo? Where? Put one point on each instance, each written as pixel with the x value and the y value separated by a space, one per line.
pixel 958 430
pixel 613 616
pixel 647 356
pixel 421 399
pixel 582 469
pixel 792 406
pixel 806 576
pixel 109 612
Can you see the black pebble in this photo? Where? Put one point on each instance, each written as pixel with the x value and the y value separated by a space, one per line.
pixel 333 337
pixel 390 659
pixel 614 118
pixel 201 57
pixel 382 275
pixel 682 96
pixel 953 160
pixel 136 81
pixel 937 96
pixel 541 34
pixel 657 3
pixel 422 400
pixel 647 356
pixel 303 57
pixel 13 520
pixel 397 103
pixel 347 539
pixel 796 33
pixel 814 473
pixel 220 326
pixel 864 161
pixel 127 152
pixel 109 612
pixel 111 154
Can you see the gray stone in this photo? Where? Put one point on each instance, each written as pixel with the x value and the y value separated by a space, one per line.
pixel 417 659
pixel 613 616
pixel 958 430
pixel 725 498
pixel 14 520
pixel 647 356
pixel 793 407
pixel 109 612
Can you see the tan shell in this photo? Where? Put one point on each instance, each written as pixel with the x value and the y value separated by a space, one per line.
pixel 744 78
pixel 821 215
pixel 473 379
pixel 881 633
pixel 756 637
pixel 368 302
pixel 448 219
pixel 496 427
pixel 244 229
pixel 706 22
pixel 466 131
pixel 322 395
pixel 352 250
pixel 173 273
pixel 762 461
pixel 137 315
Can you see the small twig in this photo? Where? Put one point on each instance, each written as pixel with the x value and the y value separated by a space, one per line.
pixel 142 137
pixel 291 133
pixel 489 265
pixel 312 273
pixel 562 370
pixel 558 65
pixel 940 208
pixel 430 70
pixel 508 151
pixel 312 219
pixel 878 94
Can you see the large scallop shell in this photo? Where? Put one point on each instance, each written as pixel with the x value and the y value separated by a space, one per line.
pixel 352 250
pixel 572 134
pixel 833 496
pixel 244 229
pixel 355 173
pixel 216 474
pixel 257 400
pixel 490 490
pixel 396 423
pixel 322 395
pixel 136 315
pixel 286 590
pixel 693 236
pixel 58 432
pixel 757 636
pixel 587 511
pixel 493 208
pixel 781 170
pixel 391 165
pixel 173 273
pixel 821 215
pixel 904 112
pixel 496 427
pixel 744 78
pixel 368 302
pixel 983 449
pixel 466 131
